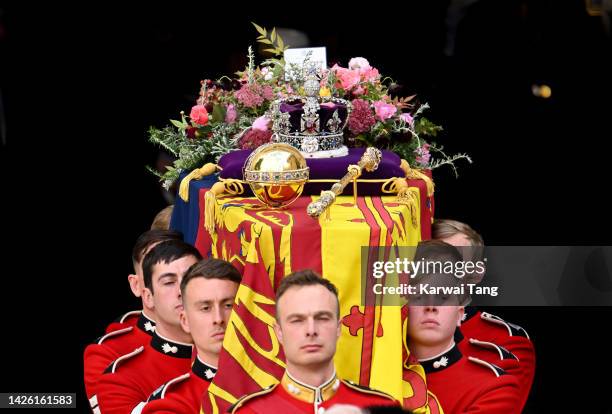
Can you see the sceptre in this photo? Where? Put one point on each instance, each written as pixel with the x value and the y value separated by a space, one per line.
pixel 369 161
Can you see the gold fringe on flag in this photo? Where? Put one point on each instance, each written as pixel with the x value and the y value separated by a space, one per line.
pixel 399 186
pixel 211 207
pixel 196 174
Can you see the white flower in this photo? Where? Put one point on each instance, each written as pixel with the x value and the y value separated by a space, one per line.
pixel 268 75
pixel 359 63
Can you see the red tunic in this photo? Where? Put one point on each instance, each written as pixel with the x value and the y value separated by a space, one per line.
pixel 99 355
pixel 128 319
pixel 184 393
pixel 486 327
pixel 469 385
pixel 291 396
pixel 129 381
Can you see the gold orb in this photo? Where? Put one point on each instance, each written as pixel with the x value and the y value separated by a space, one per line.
pixel 276 173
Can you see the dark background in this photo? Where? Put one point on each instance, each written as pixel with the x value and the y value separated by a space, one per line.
pixel 80 87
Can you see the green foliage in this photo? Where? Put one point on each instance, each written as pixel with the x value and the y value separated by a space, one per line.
pixel 276 44
pixel 424 126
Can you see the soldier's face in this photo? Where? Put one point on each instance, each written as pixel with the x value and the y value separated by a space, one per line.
pixel 137 279
pixel 461 241
pixel 433 326
pixel 308 325
pixel 166 296
pixel 208 305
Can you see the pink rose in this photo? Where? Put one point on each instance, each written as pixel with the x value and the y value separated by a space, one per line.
pixel 384 110
pixel 370 75
pixel 407 118
pixel 231 114
pixel 349 79
pixel 199 115
pixel 261 124
pixel 346 77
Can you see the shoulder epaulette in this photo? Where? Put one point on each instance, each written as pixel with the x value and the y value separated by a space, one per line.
pixel 128 315
pixel 112 368
pixel 160 393
pixel 249 397
pixel 501 351
pixel 366 390
pixel 496 370
pixel 513 330
pixel 113 334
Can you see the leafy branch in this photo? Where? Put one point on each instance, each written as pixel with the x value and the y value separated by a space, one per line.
pixel 447 160
pixel 276 44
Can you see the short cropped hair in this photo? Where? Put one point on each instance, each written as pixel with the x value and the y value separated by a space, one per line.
pixel 166 252
pixel 443 228
pixel 150 237
pixel 305 277
pixel 162 219
pixel 211 269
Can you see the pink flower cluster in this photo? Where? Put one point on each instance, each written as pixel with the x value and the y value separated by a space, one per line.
pixel 422 155
pixel 359 71
pixel 231 114
pixel 262 123
pixel 407 118
pixel 253 95
pixel 384 110
pixel 253 138
pixel 361 118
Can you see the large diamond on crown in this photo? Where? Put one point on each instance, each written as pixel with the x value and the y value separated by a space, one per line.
pixel 310 144
pixel 309 122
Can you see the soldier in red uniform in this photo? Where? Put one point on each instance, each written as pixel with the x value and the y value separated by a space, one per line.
pixel 460 382
pixel 143 244
pixel 308 327
pixel 128 382
pixel 208 292
pixel 130 331
pixel 511 341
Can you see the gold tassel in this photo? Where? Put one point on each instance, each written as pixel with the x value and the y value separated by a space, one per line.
pixel 404 195
pixel 196 174
pixel 414 174
pixel 211 207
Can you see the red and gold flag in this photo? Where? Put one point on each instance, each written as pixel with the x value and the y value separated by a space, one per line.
pixel 268 244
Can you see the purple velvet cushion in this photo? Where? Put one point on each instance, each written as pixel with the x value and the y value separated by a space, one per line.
pixel 325 168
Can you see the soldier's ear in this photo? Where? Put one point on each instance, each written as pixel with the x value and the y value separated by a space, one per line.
pixel 184 322
pixel 278 332
pixel 147 297
pixel 135 285
pixel 460 313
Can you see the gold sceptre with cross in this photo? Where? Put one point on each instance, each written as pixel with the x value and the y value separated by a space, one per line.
pixel 369 161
